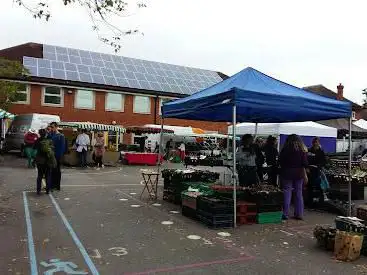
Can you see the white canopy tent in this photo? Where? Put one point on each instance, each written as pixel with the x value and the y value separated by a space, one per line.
pixel 308 128
pixel 361 123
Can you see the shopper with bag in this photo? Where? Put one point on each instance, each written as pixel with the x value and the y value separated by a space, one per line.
pixel 293 163
pixel 45 160
pixel 317 179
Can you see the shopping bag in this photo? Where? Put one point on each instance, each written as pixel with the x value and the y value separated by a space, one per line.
pixel 43 183
pixel 324 184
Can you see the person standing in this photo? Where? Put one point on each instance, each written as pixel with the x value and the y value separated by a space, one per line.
pixel 30 139
pixel 58 140
pixel 182 149
pixel 293 164
pixel 82 143
pixel 246 158
pixel 99 149
pixel 271 156
pixel 317 161
pixel 45 160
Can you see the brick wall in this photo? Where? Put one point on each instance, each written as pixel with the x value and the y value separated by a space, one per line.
pixel 99 115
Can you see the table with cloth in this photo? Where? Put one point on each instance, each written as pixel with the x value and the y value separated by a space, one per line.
pixel 141 158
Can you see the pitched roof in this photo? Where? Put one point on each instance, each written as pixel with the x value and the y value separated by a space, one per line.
pixel 322 90
pixel 60 65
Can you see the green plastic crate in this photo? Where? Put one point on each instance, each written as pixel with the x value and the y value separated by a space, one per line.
pixel 269 217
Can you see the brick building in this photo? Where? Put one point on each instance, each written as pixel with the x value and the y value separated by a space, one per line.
pixel 81 85
pixel 339 95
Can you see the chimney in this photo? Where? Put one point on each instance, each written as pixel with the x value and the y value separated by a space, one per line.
pixel 339 95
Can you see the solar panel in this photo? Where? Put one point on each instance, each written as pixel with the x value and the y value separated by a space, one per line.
pixel 100 68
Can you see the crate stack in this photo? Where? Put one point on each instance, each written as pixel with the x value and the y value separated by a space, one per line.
pixel 176 181
pixel 215 212
pixel 246 213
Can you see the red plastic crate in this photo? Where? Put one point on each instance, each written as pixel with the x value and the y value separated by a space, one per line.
pixel 244 207
pixel 248 219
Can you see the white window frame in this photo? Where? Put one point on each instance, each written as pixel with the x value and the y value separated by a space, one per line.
pixel 27 92
pixel 122 102
pixel 51 104
pixel 161 102
pixel 354 115
pixel 84 108
pixel 150 105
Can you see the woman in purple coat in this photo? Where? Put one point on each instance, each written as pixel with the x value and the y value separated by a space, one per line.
pixel 293 163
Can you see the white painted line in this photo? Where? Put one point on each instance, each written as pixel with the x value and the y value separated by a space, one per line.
pixel 123 199
pixel 287 233
pixel 87 173
pixel 132 193
pixel 135 205
pixel 75 238
pixel 32 253
pixel 157 204
pixel 67 199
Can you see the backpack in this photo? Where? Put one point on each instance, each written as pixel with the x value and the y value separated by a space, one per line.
pixel 45 154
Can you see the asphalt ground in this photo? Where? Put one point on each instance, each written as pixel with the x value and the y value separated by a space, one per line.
pixel 98 224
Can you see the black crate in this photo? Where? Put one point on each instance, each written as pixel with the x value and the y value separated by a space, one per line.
pixel 269 208
pixel 171 197
pixel 214 225
pixel 216 218
pixel 266 198
pixel 215 205
pixel 189 212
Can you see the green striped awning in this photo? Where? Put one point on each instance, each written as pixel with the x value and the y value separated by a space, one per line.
pixel 5 114
pixel 90 126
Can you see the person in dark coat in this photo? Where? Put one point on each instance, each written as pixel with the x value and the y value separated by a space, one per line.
pixel 293 162
pixel 58 140
pixel 45 160
pixel 260 158
pixel 317 161
pixel 271 156
pixel 246 162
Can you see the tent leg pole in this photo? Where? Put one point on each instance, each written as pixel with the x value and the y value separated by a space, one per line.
pixel 160 147
pixel 256 130
pixel 350 170
pixel 234 168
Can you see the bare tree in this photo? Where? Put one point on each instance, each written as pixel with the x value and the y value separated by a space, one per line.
pixel 100 13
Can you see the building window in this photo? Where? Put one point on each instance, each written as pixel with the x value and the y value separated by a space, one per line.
pixel 142 104
pixel 84 99
pixel 23 94
pixel 161 101
pixel 115 102
pixel 53 96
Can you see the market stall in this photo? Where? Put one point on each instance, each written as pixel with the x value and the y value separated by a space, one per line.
pixel 70 131
pixel 251 96
pixel 5 119
pixel 306 130
pixel 145 153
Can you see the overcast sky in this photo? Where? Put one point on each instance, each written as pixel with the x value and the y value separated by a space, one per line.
pixel 300 42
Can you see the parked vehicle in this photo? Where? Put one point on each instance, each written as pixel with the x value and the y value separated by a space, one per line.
pixel 14 138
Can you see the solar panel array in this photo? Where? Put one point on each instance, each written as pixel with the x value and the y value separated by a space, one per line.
pixel 99 68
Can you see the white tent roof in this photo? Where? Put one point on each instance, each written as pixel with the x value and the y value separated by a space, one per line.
pixel 361 123
pixel 308 128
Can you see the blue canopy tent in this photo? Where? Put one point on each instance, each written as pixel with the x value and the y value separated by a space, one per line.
pixel 251 96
